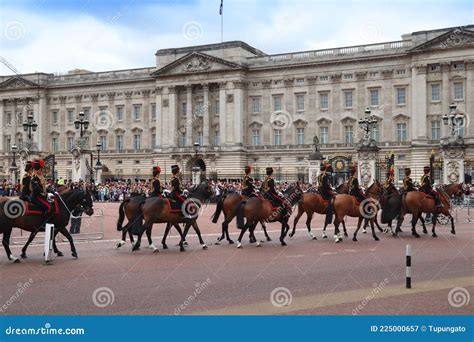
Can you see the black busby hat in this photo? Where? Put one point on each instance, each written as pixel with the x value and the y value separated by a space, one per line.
pixel 174 169
pixel 28 166
pixel 407 171
pixel 248 169
pixel 269 170
pixel 38 164
pixel 426 169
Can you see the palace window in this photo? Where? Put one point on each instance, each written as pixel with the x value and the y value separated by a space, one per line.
pixel 200 138
pixel 299 81
pixel 184 106
pixel 70 143
pixel 401 173
pixel 153 111
pixel 401 72
pixel 103 142
pixel 349 134
pixel 374 97
pixel 70 116
pixel 9 118
pixel 373 73
pixel 87 113
pixel 8 143
pixel 435 92
pixel 402 132
pixel 137 142
pixel 300 136
pixel 199 108
pixel 324 101
pixel 216 107
pixel 19 119
pixel 55 117
pixel 348 99
pixel 137 112
pixel 348 76
pixel 401 96
pixel 277 135
pixel 119 142
pixel 256 104
pixel 300 103
pixel 182 139
pixel 119 113
pixel 54 144
pixel 376 132
pixel 324 78
pixel 458 91
pixel 217 137
pixel 435 130
pixel 324 135
pixel 255 137
pixel 153 140
pixel 277 103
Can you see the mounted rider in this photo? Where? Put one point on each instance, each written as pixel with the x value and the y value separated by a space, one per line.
pixel 324 180
pixel 248 188
pixel 427 187
pixel 156 186
pixel 353 185
pixel 38 188
pixel 271 194
pixel 389 186
pixel 25 191
pixel 176 188
pixel 407 181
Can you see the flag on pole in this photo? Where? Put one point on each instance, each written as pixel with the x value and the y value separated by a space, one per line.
pixel 221 8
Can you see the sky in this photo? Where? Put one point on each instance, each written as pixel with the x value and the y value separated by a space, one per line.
pixel 55 36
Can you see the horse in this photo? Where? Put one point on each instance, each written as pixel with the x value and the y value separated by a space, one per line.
pixel 416 203
pixel 34 224
pixel 227 205
pixel 257 209
pixel 456 189
pixel 157 210
pixel 346 205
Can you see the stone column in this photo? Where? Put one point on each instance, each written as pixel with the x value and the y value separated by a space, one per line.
pixel 128 120
pixel 367 157
pixel 2 131
pixel 93 120
pixel 314 166
pixel 112 119
pixel 205 113
pixel 173 113
pixel 445 96
pixel 62 122
pixel 418 99
pixel 41 118
pixel 222 113
pixel 159 117
pixel 469 130
pixel 453 164
pixel 189 115
pixel 238 121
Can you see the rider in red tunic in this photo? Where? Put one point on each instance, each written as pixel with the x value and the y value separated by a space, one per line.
pixel 354 188
pixel 156 187
pixel 270 193
pixel 38 188
pixel 427 187
pixel 176 187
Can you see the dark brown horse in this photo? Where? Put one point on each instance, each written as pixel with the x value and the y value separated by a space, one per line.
pixel 157 210
pixel 346 205
pixel 227 205
pixel 257 209
pixel 12 215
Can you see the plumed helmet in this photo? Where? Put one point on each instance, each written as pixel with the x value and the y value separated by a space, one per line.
pixel 407 171
pixel 41 162
pixel 269 170
pixel 156 170
pixel 248 169
pixel 29 165
pixel 174 169
pixel 426 169
pixel 37 165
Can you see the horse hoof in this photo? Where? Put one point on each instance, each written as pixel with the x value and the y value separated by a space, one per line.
pixel 283 243
pixel 231 242
pixel 156 250
pixel 220 238
pixel 204 246
pixel 23 256
pixel 165 246
pixel 258 244
pixel 376 238
pixel 314 238
pixel 59 254
pixel 74 255
pixel 185 243
pixel 417 235
pixel 425 232
pixel 239 245
pixel 16 261
pixel 353 239
pixel 182 249
pixel 291 235
pixel 364 231
pixel 134 249
pixel 120 244
pixel 325 236
pixel 453 232
pixel 269 238
pixel 434 235
pixel 345 234
pixel 338 240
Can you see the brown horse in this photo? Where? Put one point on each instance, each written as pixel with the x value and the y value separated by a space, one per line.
pixel 227 205
pixel 257 209
pixel 346 205
pixel 416 203
pixel 12 215
pixel 156 210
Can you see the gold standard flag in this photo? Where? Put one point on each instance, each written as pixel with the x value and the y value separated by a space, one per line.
pixel 221 8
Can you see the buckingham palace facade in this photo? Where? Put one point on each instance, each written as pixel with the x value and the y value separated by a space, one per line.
pixel 215 106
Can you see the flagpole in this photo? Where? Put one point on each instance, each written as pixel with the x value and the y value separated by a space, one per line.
pixel 222 24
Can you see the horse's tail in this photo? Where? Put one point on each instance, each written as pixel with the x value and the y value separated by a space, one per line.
pixel 121 217
pixel 391 209
pixel 219 207
pixel 239 212
pixel 329 212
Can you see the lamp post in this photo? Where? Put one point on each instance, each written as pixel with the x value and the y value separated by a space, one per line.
pixel 13 166
pixel 454 120
pixel 98 165
pixel 81 123
pixel 30 126
pixel 196 169
pixel 367 123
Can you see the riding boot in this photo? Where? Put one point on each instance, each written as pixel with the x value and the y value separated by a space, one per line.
pixel 438 203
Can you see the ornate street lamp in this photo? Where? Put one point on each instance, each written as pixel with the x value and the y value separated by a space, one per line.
pixel 14 150
pixel 30 125
pixel 98 165
pixel 81 123
pixel 455 120
pixel 367 123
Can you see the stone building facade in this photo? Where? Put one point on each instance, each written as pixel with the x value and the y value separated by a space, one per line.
pixel 243 106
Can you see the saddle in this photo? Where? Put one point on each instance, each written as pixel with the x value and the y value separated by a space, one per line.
pixel 326 202
pixel 33 210
pixel 354 199
pixel 173 205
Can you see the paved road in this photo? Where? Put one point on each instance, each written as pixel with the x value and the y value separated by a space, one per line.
pixel 306 277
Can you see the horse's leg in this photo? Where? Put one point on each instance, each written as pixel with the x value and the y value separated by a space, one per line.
pixel 364 228
pixel 359 222
pixel 298 215
pixel 377 224
pixel 309 217
pixel 123 240
pixel 198 232
pixel 433 230
pixel 453 230
pixel 150 241
pixel 264 227
pixel 226 227
pixel 165 235
pixel 372 225
pixel 25 247
pixel 344 228
pixel 242 232
pixel 68 236
pixel 423 224
pixel 147 225
pixel 399 223
pixel 6 244
pixel 252 230
pixel 413 226
pixel 55 248
pixel 220 238
pixel 284 229
pixel 337 222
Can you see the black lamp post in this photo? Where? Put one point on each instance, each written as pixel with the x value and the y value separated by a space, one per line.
pixel 98 165
pixel 13 167
pixel 367 123
pixel 30 125
pixel 196 168
pixel 81 123
pixel 455 120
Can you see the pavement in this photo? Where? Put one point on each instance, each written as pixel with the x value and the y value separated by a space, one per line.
pixel 306 277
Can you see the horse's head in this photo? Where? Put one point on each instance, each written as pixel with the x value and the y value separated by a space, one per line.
pixel 456 190
pixel 293 193
pixel 203 191
pixel 80 198
pixel 342 188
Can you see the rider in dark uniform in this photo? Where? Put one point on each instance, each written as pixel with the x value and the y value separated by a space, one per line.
pixel 389 186
pixel 271 194
pixel 427 187
pixel 175 185
pixel 407 181
pixel 248 189
pixel 353 184
pixel 38 188
pixel 156 187
pixel 324 180
pixel 25 182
